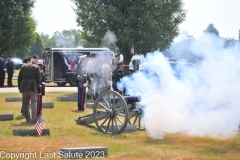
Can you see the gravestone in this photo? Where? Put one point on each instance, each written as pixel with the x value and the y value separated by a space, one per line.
pixel 29 132
pixel 48 105
pixel 67 98
pixel 89 105
pixel 6 116
pixel 13 99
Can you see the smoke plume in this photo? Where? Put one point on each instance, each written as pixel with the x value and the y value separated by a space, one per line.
pixel 109 39
pixel 198 100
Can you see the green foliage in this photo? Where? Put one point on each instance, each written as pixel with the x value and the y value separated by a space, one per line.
pixel 47 42
pixel 65 133
pixel 149 25
pixel 67 39
pixel 17 26
pixel 239 35
pixel 230 42
pixel 212 30
pixel 37 47
pixel 181 50
pixel 22 54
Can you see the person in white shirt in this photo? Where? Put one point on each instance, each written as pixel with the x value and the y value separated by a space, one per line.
pixel 90 74
pixel 106 76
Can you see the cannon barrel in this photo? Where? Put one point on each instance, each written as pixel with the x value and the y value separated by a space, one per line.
pixel 129 99
pixel 132 98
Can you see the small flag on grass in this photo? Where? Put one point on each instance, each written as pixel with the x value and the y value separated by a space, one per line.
pixel 39 125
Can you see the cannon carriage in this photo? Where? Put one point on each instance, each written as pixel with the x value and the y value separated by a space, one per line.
pixel 112 112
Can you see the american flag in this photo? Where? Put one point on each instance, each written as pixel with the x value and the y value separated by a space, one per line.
pixel 132 49
pixel 39 125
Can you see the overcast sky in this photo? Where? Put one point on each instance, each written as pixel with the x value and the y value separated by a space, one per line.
pixel 57 15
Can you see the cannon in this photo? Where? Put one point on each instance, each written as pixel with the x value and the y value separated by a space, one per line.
pixel 112 112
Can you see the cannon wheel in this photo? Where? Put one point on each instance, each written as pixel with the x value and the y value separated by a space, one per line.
pixel 114 117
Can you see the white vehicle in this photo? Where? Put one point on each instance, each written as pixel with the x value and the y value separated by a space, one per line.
pixel 60 63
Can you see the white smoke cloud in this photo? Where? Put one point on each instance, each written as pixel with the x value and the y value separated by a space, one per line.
pixel 109 39
pixel 199 100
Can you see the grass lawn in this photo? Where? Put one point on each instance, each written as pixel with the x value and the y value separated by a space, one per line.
pixel 65 133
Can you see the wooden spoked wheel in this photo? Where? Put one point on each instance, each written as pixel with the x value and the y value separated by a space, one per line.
pixel 110 112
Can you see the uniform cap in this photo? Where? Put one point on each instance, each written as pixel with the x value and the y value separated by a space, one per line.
pixel 120 63
pixel 40 62
pixel 83 56
pixel 27 59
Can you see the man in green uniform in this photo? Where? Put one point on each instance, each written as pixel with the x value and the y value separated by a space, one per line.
pixel 28 84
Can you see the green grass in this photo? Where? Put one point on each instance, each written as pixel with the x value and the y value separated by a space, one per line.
pixel 64 132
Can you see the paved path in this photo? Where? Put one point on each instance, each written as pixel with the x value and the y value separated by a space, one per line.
pixel 47 89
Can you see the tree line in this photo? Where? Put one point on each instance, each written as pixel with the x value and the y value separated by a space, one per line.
pixel 145 25
pixel 185 53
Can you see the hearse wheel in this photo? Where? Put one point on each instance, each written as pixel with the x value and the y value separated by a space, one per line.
pixel 61 84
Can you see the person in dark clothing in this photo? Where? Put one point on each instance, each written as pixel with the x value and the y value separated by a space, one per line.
pixel 28 85
pixel 42 79
pixel 118 74
pixel 26 60
pixel 60 66
pixel 10 71
pixel 41 90
pixel 81 82
pixel 2 71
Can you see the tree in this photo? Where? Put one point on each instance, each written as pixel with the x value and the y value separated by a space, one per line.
pixel 47 42
pixel 148 25
pixel 67 38
pixel 17 26
pixel 229 42
pixel 180 50
pixel 239 34
pixel 211 29
pixel 37 47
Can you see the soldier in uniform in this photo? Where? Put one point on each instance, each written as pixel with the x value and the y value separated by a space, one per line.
pixel 28 84
pixel 27 60
pixel 10 71
pixel 81 82
pixel 2 71
pixel 118 74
